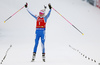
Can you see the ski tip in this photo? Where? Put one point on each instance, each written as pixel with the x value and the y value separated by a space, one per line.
pixel 4 21
pixel 82 34
pixel 10 45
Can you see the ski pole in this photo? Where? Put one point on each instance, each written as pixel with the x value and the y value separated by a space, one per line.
pixel 13 14
pixel 5 54
pixel 68 21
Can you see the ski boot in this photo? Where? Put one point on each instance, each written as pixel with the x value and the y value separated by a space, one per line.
pixel 33 58
pixel 43 57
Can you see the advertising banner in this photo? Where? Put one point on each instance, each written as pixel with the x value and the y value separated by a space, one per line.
pixel 98 3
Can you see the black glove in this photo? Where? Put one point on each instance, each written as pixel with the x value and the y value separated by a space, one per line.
pixel 26 5
pixel 45 7
pixel 49 6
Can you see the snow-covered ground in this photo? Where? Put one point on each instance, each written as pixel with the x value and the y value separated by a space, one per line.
pixel 19 31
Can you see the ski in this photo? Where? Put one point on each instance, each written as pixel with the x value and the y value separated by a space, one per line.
pixel 43 57
pixel 32 60
pixel 33 57
pixel 5 54
pixel 43 60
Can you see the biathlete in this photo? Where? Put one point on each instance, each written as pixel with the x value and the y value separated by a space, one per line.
pixel 41 21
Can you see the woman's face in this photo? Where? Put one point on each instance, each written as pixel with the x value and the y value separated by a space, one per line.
pixel 41 14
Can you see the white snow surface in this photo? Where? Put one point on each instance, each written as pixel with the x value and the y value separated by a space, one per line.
pixel 19 31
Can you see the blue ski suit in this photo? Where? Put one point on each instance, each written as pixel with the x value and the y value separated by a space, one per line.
pixel 40 32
